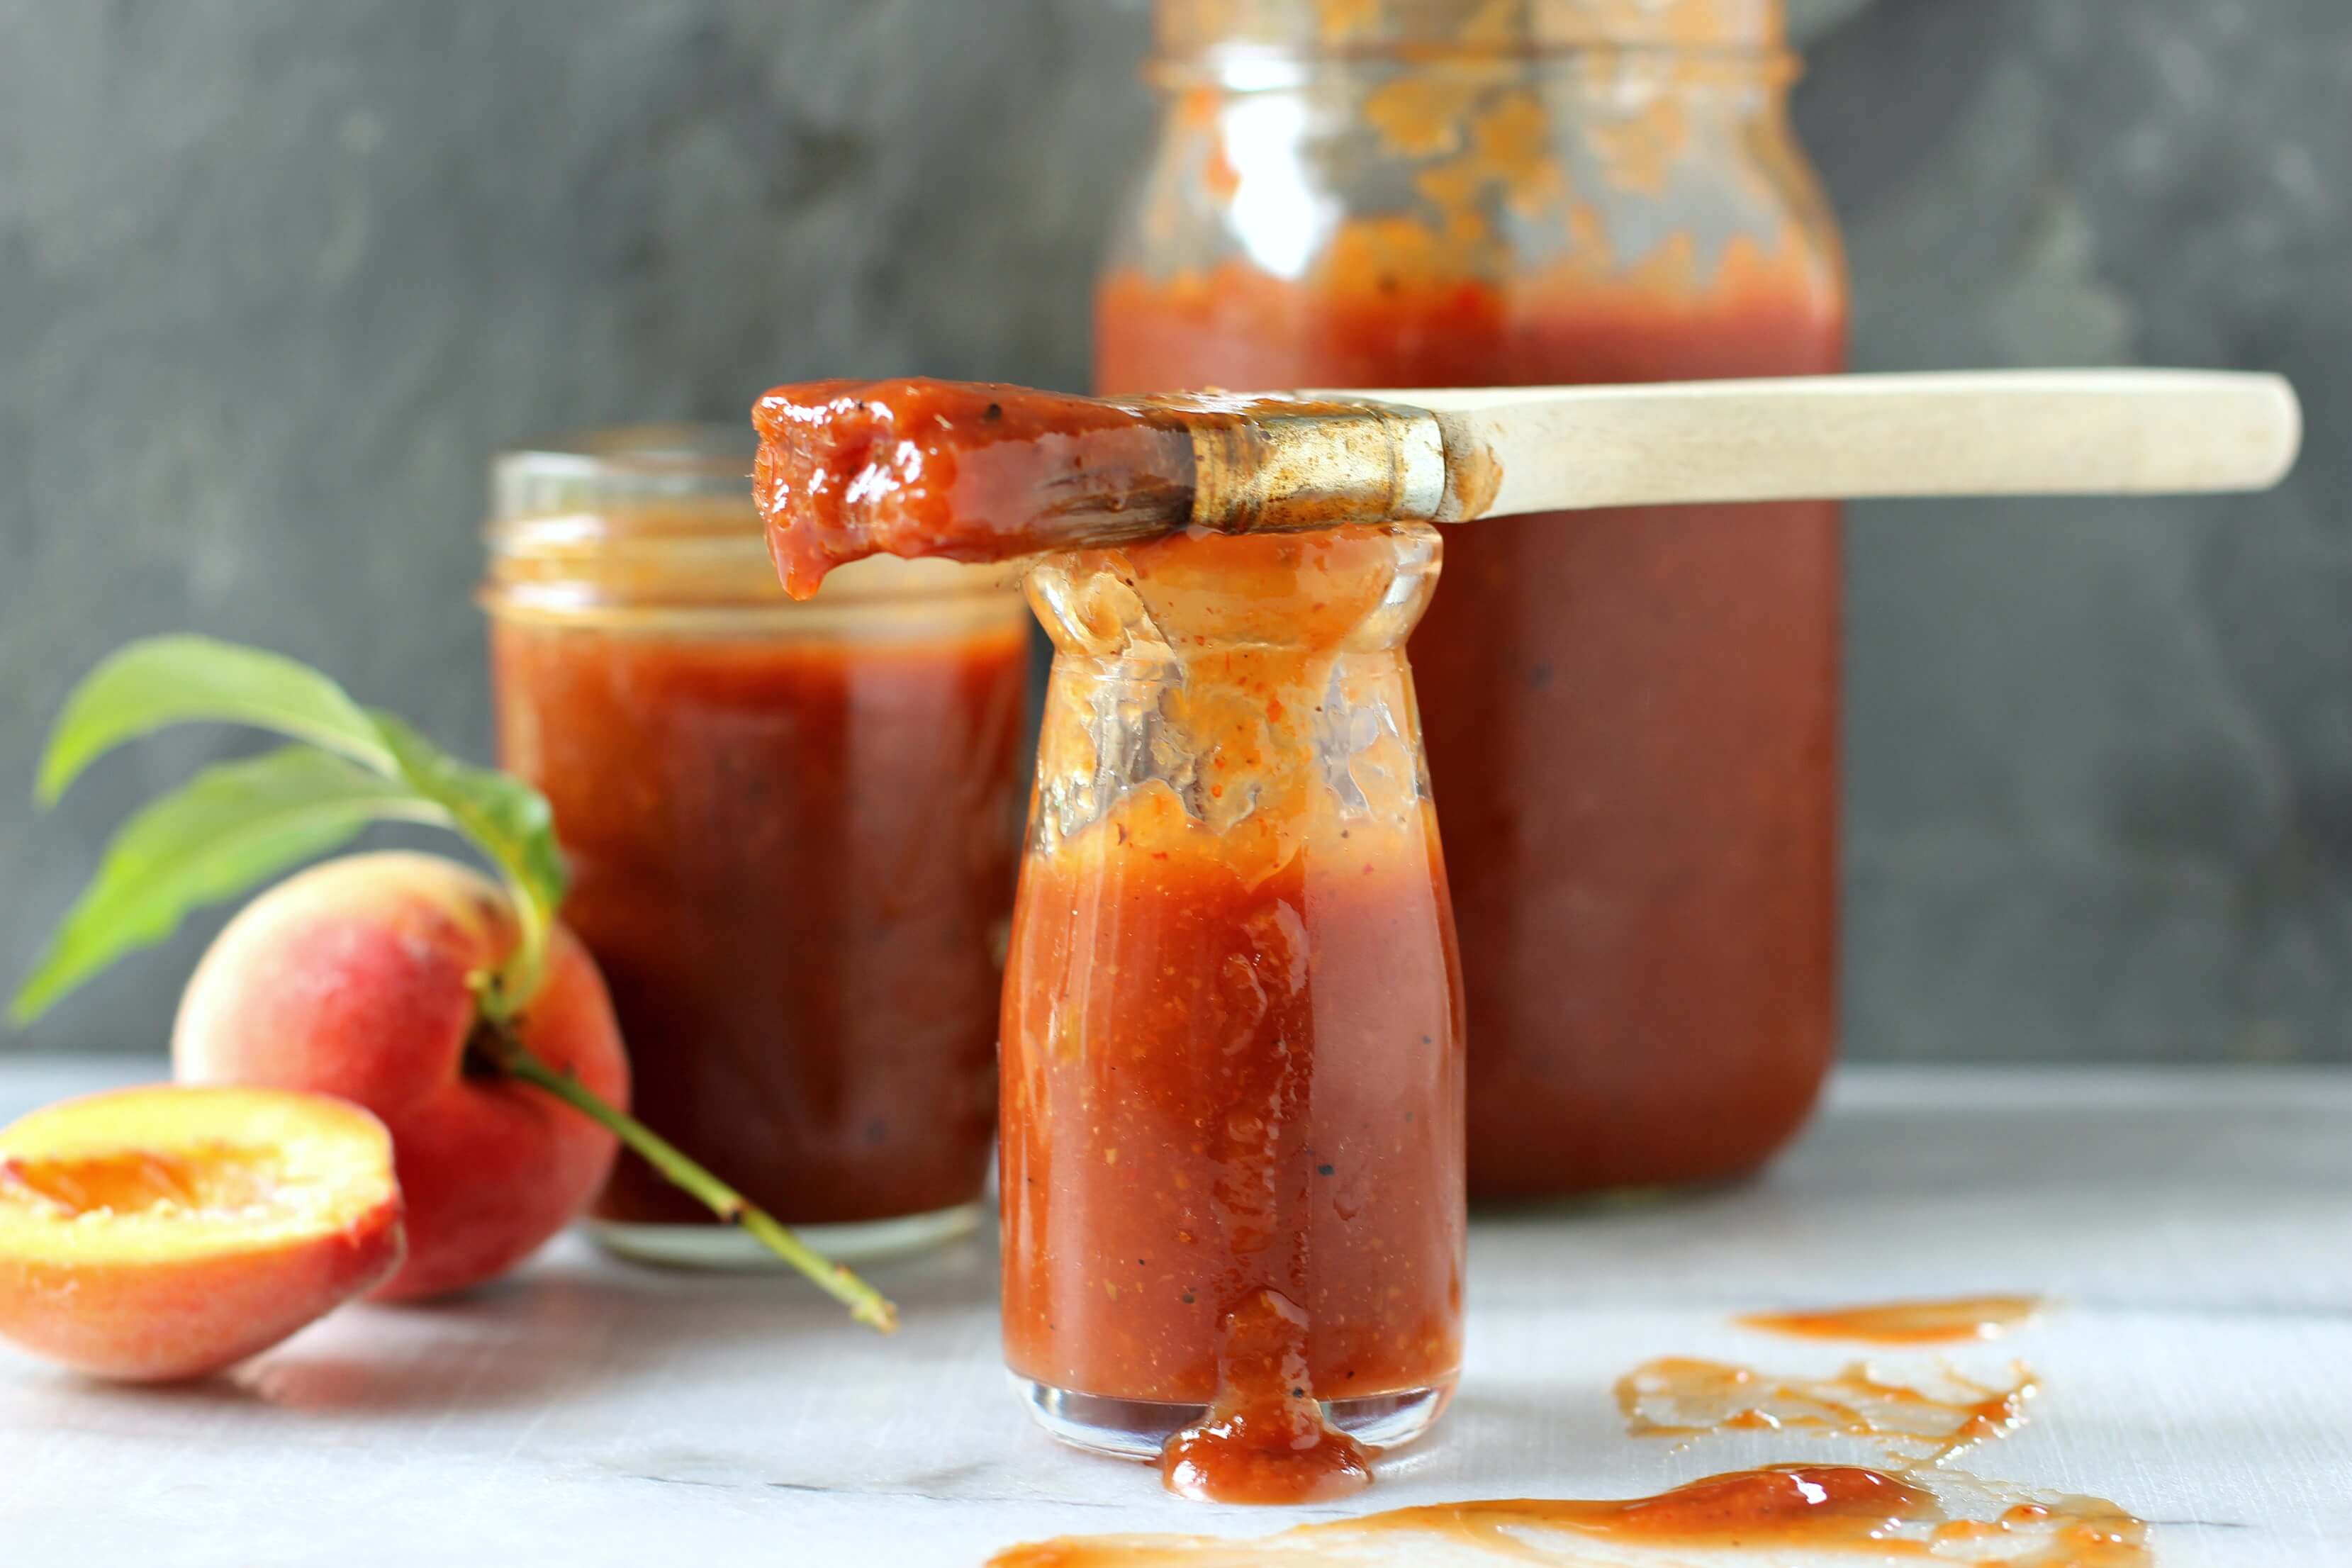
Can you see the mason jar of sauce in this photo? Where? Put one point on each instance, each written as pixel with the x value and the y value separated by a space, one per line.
pixel 1231 1046
pixel 792 829
pixel 1631 715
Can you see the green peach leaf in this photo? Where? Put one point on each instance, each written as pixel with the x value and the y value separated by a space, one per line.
pixel 509 822
pixel 505 818
pixel 233 825
pixel 158 681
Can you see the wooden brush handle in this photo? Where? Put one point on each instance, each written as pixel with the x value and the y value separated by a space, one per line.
pixel 2061 432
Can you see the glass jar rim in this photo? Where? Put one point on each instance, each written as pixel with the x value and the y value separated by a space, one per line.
pixel 1239 70
pixel 611 524
pixel 622 462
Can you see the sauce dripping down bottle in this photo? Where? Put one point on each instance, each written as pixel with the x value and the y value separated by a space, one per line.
pixel 1232 1047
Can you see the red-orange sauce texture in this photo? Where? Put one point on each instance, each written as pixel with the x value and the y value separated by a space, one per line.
pixel 768 837
pixel 967 470
pixel 1631 715
pixel 1307 1151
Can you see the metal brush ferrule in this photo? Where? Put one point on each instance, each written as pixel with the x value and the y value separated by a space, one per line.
pixel 1265 465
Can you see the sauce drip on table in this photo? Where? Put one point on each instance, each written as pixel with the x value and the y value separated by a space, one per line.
pixel 1264 1440
pixel 1905 1322
pixel 1791 1514
pixel 1922 1420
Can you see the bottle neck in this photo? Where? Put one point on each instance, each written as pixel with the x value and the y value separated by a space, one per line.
pixel 1249 686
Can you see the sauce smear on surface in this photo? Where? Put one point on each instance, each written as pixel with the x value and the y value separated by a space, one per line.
pixel 1792 1515
pixel 1905 1322
pixel 1922 1420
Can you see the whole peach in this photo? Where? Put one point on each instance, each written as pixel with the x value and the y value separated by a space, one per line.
pixel 351 979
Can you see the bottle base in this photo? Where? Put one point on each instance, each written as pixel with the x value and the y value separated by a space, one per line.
pixel 1138 1429
pixel 725 1246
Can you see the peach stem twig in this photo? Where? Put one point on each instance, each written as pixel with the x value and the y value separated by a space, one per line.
pixel 504 1051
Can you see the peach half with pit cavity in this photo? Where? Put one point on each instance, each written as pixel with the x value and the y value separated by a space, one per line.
pixel 166 1232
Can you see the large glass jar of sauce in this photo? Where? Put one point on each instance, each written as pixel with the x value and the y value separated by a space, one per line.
pixel 1631 715
pixel 791 830
pixel 1231 1069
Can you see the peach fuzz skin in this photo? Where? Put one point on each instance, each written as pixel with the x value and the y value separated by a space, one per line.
pixel 352 980
pixel 163 1233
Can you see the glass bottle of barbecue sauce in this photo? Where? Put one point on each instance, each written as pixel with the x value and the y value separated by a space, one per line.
pixel 1631 715
pixel 1232 1046
pixel 791 830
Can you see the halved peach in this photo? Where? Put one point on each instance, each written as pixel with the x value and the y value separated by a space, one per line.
pixel 166 1232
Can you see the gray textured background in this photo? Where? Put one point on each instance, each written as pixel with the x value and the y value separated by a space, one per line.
pixel 276 276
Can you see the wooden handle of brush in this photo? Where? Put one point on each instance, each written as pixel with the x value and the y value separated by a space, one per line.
pixel 2059 432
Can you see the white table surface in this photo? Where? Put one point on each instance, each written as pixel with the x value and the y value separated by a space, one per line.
pixel 2197 1228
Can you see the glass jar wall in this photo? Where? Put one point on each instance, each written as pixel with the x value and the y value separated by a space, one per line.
pixel 791 830
pixel 1631 715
